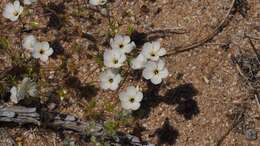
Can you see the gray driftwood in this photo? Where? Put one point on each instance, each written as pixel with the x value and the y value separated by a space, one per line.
pixel 24 115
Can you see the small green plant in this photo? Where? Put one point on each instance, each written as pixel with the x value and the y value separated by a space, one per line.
pixel 62 92
pixel 111 127
pixel 113 28
pixel 130 30
pixel 91 105
pixel 124 118
pixel 99 59
pixel 10 79
pixel 4 43
pixel 34 24
pixel 110 107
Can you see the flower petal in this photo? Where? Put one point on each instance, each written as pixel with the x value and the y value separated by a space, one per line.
pixel 131 91
pixel 36 54
pixel 126 40
pixel 123 96
pixel 162 52
pixel 147 73
pixel 114 86
pixel 13 96
pixel 17 6
pixel 29 42
pixel 44 58
pixel 156 45
pixel 104 85
pixel 49 52
pixel 164 73
pixel 126 105
pixel 117 78
pixel 156 80
pixel 139 96
pixel 160 64
pixel 135 106
pixel 45 45
pixel 8 10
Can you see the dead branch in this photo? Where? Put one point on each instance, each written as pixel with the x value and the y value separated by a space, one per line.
pixel 206 39
pixel 251 86
pixel 254 49
pixel 234 125
pixel 243 65
pixel 24 115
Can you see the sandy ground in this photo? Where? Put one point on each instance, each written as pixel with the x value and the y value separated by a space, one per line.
pixel 206 74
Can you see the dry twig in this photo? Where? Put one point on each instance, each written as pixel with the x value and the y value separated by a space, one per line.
pixel 216 31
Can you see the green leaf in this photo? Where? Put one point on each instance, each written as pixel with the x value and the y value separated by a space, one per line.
pixel 34 24
pixel 130 29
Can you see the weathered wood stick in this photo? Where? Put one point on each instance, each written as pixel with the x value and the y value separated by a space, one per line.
pixel 24 115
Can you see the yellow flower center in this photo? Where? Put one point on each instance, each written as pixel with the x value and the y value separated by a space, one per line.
pixel 115 61
pixel 41 51
pixel 121 46
pixel 15 13
pixel 111 80
pixel 156 72
pixel 132 99
pixel 152 54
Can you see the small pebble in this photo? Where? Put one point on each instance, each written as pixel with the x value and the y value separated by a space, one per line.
pixel 70 118
pixel 251 134
pixel 51 106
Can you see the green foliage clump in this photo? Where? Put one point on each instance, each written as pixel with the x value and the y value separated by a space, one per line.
pixel 99 59
pixel 4 43
pixel 111 127
pixel 113 28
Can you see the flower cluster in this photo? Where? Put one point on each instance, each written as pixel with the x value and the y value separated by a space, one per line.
pixel 113 59
pixel 26 88
pixel 12 11
pixel 149 59
pixel 39 50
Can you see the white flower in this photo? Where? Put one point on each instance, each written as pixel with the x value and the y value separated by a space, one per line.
pixel 26 88
pixel 29 2
pixel 122 43
pixel 110 79
pixel 138 62
pixel 131 98
pixel 114 58
pixel 97 2
pixel 153 50
pixel 155 71
pixel 12 11
pixel 42 50
pixel 29 42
